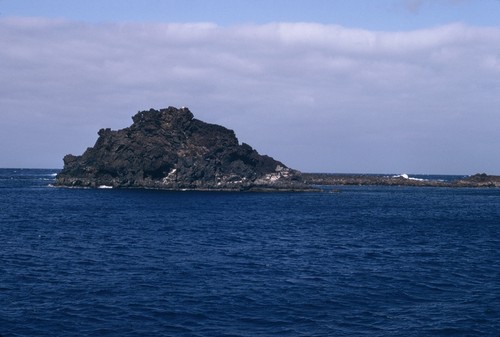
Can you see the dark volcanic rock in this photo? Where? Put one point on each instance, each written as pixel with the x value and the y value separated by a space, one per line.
pixel 169 149
pixel 477 180
pixel 368 180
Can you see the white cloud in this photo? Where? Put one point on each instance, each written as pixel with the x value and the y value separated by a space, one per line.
pixel 318 97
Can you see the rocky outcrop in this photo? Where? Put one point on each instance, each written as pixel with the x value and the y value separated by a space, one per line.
pixel 368 180
pixel 477 180
pixel 170 149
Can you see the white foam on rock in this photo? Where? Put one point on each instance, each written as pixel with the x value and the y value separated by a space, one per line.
pixel 405 176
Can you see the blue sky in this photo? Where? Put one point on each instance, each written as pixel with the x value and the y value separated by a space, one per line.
pixel 370 14
pixel 385 86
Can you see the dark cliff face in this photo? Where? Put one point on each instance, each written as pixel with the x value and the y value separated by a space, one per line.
pixel 169 149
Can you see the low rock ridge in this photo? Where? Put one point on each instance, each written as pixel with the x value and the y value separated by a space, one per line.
pixel 477 180
pixel 170 149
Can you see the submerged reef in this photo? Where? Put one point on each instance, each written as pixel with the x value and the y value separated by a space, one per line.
pixel 170 149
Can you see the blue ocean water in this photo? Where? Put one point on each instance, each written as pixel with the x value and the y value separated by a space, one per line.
pixel 365 261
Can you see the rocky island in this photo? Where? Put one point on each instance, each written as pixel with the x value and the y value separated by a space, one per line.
pixel 170 149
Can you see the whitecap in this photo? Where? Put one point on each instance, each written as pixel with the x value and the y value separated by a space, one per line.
pixel 104 186
pixel 417 179
pixel 407 177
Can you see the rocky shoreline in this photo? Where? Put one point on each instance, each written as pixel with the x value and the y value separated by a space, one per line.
pixel 330 179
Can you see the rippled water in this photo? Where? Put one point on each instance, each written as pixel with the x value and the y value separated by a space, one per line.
pixel 366 261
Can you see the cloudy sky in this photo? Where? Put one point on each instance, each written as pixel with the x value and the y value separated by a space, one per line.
pixel 386 86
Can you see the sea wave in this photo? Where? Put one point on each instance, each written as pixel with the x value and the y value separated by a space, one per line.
pixel 406 176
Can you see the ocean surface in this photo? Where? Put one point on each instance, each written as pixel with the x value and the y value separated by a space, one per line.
pixel 352 261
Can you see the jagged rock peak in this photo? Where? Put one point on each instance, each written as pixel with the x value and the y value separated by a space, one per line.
pixel 170 115
pixel 170 149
